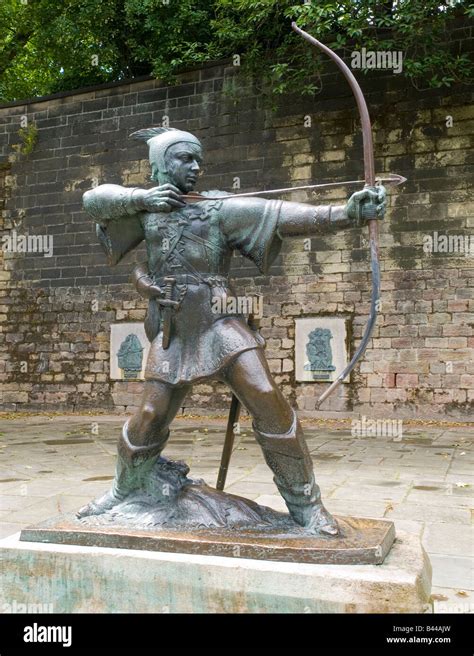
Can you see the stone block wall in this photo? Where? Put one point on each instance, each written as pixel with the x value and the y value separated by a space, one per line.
pixel 55 312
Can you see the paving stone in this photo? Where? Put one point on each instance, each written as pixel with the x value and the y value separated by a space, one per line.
pixel 48 508
pixel 429 514
pixel 461 478
pixel 18 502
pixel 451 601
pixel 461 470
pixel 409 526
pixel 452 571
pixel 250 487
pixel 350 507
pixel 9 528
pixel 439 499
pixel 449 539
pixel 43 488
pixel 370 492
pixel 272 501
pixel 89 489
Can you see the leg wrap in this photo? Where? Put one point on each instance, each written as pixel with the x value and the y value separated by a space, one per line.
pixel 134 463
pixel 135 454
pixel 288 457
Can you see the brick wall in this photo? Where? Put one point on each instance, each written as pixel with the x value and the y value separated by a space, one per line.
pixel 55 311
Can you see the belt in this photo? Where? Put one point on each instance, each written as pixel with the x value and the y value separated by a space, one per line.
pixel 211 279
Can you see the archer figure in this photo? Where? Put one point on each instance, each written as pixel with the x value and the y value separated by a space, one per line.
pixel 189 248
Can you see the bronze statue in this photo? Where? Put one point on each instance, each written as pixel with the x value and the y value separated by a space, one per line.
pixel 189 241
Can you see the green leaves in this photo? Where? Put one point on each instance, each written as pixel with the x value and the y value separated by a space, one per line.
pixel 29 137
pixel 48 46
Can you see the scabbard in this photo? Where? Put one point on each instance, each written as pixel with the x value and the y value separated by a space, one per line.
pixel 167 312
pixel 166 327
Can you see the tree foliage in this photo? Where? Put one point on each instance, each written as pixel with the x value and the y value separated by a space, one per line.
pixel 48 46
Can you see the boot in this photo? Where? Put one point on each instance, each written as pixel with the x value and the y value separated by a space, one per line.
pixel 134 464
pixel 288 457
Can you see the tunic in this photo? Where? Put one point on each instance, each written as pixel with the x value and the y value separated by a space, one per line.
pixel 194 245
pixel 204 341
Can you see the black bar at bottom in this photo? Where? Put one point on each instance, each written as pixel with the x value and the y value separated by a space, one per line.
pixel 316 634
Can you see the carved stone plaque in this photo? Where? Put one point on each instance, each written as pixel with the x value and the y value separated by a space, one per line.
pixel 320 348
pixel 128 351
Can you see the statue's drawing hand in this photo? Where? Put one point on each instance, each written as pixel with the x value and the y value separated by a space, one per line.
pixel 153 291
pixel 144 283
pixel 147 289
pixel 164 198
pixel 167 302
pixel 370 203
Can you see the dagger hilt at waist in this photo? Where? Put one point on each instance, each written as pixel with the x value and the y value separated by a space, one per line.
pixel 169 284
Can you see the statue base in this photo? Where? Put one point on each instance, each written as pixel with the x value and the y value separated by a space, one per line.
pixel 362 541
pixel 84 579
pixel 175 513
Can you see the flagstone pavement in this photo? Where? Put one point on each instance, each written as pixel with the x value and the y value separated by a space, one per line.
pixel 423 482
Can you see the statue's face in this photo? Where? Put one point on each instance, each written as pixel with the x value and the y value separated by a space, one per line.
pixel 183 162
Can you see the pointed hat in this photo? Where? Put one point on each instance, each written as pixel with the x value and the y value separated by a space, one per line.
pixel 159 140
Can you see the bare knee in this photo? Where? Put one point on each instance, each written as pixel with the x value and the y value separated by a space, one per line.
pixel 271 412
pixel 148 421
pixel 253 383
pixel 149 414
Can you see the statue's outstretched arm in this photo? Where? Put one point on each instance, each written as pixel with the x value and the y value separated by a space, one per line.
pixel 300 219
pixel 256 226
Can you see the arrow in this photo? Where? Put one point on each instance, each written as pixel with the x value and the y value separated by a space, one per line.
pixel 393 180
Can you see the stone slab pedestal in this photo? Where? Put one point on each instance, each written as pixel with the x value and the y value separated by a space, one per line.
pixel 76 579
pixel 363 540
